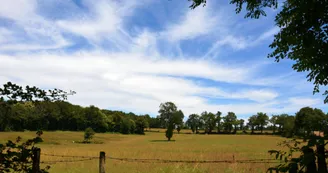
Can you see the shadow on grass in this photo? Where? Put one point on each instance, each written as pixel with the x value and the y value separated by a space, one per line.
pixel 162 141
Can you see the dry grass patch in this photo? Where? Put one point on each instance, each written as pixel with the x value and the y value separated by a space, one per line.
pixel 153 145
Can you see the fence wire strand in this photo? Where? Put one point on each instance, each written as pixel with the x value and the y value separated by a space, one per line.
pixel 193 161
pixel 65 161
pixel 140 160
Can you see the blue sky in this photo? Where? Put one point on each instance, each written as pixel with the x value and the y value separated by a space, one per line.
pixel 132 55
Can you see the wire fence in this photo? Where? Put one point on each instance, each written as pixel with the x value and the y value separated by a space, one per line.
pixel 141 160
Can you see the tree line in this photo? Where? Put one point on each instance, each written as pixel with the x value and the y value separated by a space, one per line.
pixel 62 115
pixel 303 123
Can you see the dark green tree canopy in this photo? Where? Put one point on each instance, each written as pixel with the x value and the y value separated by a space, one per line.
pixel 303 35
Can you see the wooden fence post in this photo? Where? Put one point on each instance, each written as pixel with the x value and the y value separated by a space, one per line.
pixel 322 165
pixel 36 160
pixel 102 157
pixel 311 166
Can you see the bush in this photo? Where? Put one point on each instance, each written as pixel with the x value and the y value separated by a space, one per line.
pixel 17 157
pixel 88 134
pixel 169 133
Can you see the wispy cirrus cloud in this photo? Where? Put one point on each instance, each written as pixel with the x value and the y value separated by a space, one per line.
pixel 126 69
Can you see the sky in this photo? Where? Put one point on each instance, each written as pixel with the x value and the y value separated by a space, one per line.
pixel 132 55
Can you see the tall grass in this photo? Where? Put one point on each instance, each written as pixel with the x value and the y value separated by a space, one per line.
pixel 154 145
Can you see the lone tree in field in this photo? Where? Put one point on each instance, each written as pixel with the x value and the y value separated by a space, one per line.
pixel 88 134
pixel 170 117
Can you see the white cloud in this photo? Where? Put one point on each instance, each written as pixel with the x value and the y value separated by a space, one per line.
pixel 104 21
pixel 39 34
pixel 266 35
pixel 18 10
pixel 302 102
pixel 256 95
pixel 139 77
pixel 136 83
pixel 239 42
pixel 195 23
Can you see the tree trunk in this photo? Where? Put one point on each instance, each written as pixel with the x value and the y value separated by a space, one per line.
pixel 322 165
pixel 261 129
pixel 311 167
pixel 252 129
pixel 274 128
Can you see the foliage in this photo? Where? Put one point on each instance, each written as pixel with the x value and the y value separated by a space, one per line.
pixel 17 157
pixel 209 120
pixel 241 124
pixel 194 122
pixel 88 134
pixel 169 132
pixel 252 122
pixel 141 123
pixel 218 120
pixel 262 120
pixel 309 153
pixel 230 121
pixel 273 121
pixel 170 117
pixel 167 111
pixel 302 37
pixel 309 119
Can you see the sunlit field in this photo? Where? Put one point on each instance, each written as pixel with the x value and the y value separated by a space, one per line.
pixel 153 145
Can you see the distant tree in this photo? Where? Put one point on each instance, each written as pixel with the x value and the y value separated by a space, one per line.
pixel 252 122
pixel 178 120
pixel 132 126
pixel 179 127
pixel 169 132
pixel 170 117
pixel 273 121
pixel 289 123
pixel 88 134
pixel 280 121
pixel 230 121
pixel 193 122
pixel 241 124
pixel 262 120
pixel 96 119
pixel 218 120
pixel 148 119
pixel 209 121
pixel 167 111
pixel 141 123
pixel 308 119
pixel 155 122
pixel 126 126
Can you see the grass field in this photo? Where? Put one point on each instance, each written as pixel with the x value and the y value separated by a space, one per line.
pixel 153 145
